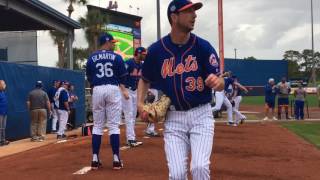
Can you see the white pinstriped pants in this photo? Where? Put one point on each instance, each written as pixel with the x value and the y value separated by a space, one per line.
pixel 54 117
pixel 129 108
pixel 106 108
pixel 221 98
pixel 151 126
pixel 63 119
pixel 189 130
pixel 237 114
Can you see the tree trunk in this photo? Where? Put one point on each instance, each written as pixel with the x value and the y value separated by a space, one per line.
pixel 313 77
pixel 95 42
pixel 61 53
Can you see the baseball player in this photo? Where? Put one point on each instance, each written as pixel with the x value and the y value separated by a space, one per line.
pixel 51 93
pixel 223 98
pixel 270 97
pixel 151 127
pixel 62 103
pixel 299 98
pixel 106 73
pixel 236 98
pixel 283 97
pixel 129 106
pixel 185 68
pixel 318 94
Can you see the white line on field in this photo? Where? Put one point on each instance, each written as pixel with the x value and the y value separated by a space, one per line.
pixel 84 170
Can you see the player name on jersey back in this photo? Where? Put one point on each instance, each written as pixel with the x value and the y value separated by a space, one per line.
pixel 103 56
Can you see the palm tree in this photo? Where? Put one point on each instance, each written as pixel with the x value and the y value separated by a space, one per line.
pixel 80 55
pixel 59 40
pixel 71 2
pixel 59 37
pixel 92 23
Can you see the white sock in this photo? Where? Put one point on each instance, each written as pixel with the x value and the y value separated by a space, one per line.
pixel 95 158
pixel 116 158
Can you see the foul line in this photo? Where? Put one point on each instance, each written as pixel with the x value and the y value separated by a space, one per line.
pixel 83 171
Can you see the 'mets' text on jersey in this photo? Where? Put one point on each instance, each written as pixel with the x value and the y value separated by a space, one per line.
pixel 134 73
pixel 180 70
pixel 105 67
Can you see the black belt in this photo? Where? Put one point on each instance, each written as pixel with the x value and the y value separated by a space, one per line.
pixel 131 88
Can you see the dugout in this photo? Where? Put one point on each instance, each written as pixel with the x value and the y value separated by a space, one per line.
pixel 20 80
pixel 32 15
pixel 254 74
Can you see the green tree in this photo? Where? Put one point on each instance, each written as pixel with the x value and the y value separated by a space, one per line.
pixel 59 40
pixel 93 24
pixel 302 64
pixel 72 2
pixel 249 58
pixel 292 55
pixel 80 56
pixel 293 58
pixel 59 37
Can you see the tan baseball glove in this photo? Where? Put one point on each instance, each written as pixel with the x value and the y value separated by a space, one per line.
pixel 157 111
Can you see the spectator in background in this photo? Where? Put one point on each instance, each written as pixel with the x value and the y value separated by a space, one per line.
pixel 3 113
pixel 283 97
pixel 38 103
pixel 270 98
pixel 299 98
pixel 73 98
pixel 318 93
pixel 51 93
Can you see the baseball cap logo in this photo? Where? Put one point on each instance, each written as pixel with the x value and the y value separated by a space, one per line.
pixel 173 8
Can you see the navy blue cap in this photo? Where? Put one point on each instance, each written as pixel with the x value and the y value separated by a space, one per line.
pixel 39 84
pixel 140 50
pixel 105 37
pixel 65 83
pixel 176 6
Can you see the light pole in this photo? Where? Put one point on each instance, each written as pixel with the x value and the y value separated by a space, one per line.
pixel 158 20
pixel 221 36
pixel 313 68
pixel 235 53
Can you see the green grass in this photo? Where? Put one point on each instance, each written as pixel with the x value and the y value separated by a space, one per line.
pixel 259 100
pixel 310 131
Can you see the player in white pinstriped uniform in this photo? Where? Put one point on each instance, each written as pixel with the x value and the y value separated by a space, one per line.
pixel 151 127
pixel 222 97
pixel 106 73
pixel 185 67
pixel 63 110
pixel 237 90
pixel 129 106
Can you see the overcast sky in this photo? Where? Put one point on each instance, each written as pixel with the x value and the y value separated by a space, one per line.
pixel 264 29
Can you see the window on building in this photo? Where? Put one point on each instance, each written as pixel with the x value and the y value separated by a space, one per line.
pixel 3 54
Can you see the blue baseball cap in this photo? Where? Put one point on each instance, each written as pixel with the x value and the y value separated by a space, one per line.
pixel 39 84
pixel 176 6
pixel 140 50
pixel 65 82
pixel 105 37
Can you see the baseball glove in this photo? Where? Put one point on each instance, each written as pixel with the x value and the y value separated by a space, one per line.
pixel 157 111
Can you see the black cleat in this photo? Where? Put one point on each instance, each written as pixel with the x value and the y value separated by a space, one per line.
pixel 95 165
pixel 117 165
pixel 61 136
pixel 134 143
pixel 153 134
pixel 4 143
